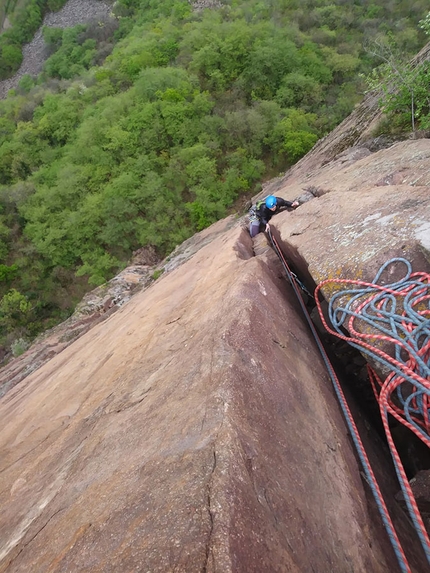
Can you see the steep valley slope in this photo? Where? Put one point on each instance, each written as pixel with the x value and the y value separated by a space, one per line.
pixel 189 424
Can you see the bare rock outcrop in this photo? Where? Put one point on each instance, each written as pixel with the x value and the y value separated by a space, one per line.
pixel 203 4
pixel 193 430
pixel 189 424
pixel 100 303
pixel 369 208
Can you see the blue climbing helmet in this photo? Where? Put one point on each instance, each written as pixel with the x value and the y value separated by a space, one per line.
pixel 270 201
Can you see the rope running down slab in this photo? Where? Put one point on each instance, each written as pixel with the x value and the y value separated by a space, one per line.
pixel 368 471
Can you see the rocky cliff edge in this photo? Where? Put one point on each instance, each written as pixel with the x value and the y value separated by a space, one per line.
pixel 195 429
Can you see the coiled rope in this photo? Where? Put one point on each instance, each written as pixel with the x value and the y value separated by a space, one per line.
pixel 396 317
pixel 370 477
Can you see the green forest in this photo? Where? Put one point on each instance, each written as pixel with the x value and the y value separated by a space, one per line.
pixel 146 128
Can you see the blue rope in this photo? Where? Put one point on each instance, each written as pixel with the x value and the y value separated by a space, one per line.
pixel 388 313
pixel 350 423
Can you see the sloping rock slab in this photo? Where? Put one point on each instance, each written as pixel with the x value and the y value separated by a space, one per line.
pixel 193 430
pixel 372 210
pixel 103 301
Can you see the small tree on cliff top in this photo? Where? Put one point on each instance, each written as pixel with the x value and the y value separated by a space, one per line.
pixel 395 78
pixel 404 84
pixel 425 24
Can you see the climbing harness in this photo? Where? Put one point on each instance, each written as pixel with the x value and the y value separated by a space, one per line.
pixel 253 210
pixel 410 364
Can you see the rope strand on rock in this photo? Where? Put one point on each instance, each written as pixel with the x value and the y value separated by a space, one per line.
pixel 391 324
pixel 370 476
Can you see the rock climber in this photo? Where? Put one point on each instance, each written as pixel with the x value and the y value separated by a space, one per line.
pixel 261 213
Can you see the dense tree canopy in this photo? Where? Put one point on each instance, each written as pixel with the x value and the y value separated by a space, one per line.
pixel 148 129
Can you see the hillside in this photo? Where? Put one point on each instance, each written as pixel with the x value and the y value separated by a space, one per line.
pixel 148 125
pixel 36 52
pixel 196 428
pixel 187 416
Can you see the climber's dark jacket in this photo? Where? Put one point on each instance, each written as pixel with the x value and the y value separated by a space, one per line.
pixel 264 214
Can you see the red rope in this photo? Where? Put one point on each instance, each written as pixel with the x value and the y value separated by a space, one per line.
pixel 380 502
pixel 410 375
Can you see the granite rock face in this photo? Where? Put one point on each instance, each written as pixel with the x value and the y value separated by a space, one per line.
pixel 188 424
pixel 193 430
pixel 99 304
pixel 370 207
